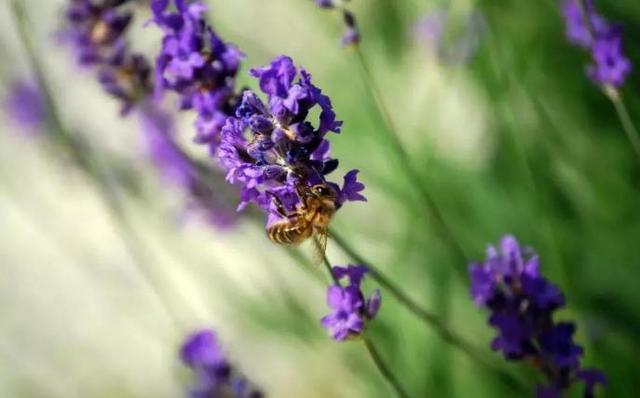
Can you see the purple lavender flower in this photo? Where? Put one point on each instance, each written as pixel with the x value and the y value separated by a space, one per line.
pixel 610 66
pixel 577 31
pixel 96 32
pixel 587 29
pixel 273 149
pixel 216 378
pixel 158 130
pixel 94 28
pixel 25 106
pixel 195 63
pixel 522 303
pixel 351 310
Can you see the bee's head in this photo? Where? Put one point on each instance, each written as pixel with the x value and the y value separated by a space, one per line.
pixel 325 193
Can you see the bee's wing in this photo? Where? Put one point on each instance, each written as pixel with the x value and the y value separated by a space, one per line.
pixel 320 245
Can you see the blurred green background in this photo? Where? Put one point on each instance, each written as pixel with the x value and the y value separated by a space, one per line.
pixel 516 140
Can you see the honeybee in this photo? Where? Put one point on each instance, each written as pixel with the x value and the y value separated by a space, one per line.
pixel 316 207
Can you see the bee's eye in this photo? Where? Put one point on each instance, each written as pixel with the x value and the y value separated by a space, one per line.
pixel 319 190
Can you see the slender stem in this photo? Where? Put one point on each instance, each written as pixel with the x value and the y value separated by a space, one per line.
pixel 375 356
pixel 625 119
pixel 326 261
pixel 79 153
pixel 384 370
pixel 427 201
pixel 428 318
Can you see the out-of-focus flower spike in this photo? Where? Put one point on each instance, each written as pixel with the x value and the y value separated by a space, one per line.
pixel 25 106
pixel 522 303
pixel 215 376
pixel 590 30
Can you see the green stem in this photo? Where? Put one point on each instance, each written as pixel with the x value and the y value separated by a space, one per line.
pixel 625 119
pixel 413 175
pixel 384 370
pixel 78 150
pixel 326 261
pixel 375 356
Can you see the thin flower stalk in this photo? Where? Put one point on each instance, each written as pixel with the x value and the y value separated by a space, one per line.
pixel 351 314
pixel 384 370
pixel 352 39
pixel 427 202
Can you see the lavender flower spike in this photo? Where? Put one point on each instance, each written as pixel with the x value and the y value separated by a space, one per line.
pixel 589 30
pixel 195 63
pixel 522 303
pixel 271 149
pixel 351 311
pixel 96 32
pixel 215 377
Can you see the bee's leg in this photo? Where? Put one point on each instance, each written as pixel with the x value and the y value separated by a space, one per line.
pixel 302 197
pixel 280 209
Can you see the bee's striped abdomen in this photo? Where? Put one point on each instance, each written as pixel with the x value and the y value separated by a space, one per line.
pixel 289 232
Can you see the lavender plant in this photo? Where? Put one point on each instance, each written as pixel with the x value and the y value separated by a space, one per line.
pixel 273 150
pixel 97 33
pixel 522 304
pixel 278 152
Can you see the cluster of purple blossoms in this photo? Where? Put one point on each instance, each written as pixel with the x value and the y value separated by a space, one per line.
pixel 589 30
pixel 522 303
pixel 351 35
pixel 351 310
pixel 216 377
pixel 273 149
pixel 25 106
pixel 96 31
pixel 195 63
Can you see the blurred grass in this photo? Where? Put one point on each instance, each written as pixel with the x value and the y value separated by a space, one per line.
pixel 517 141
